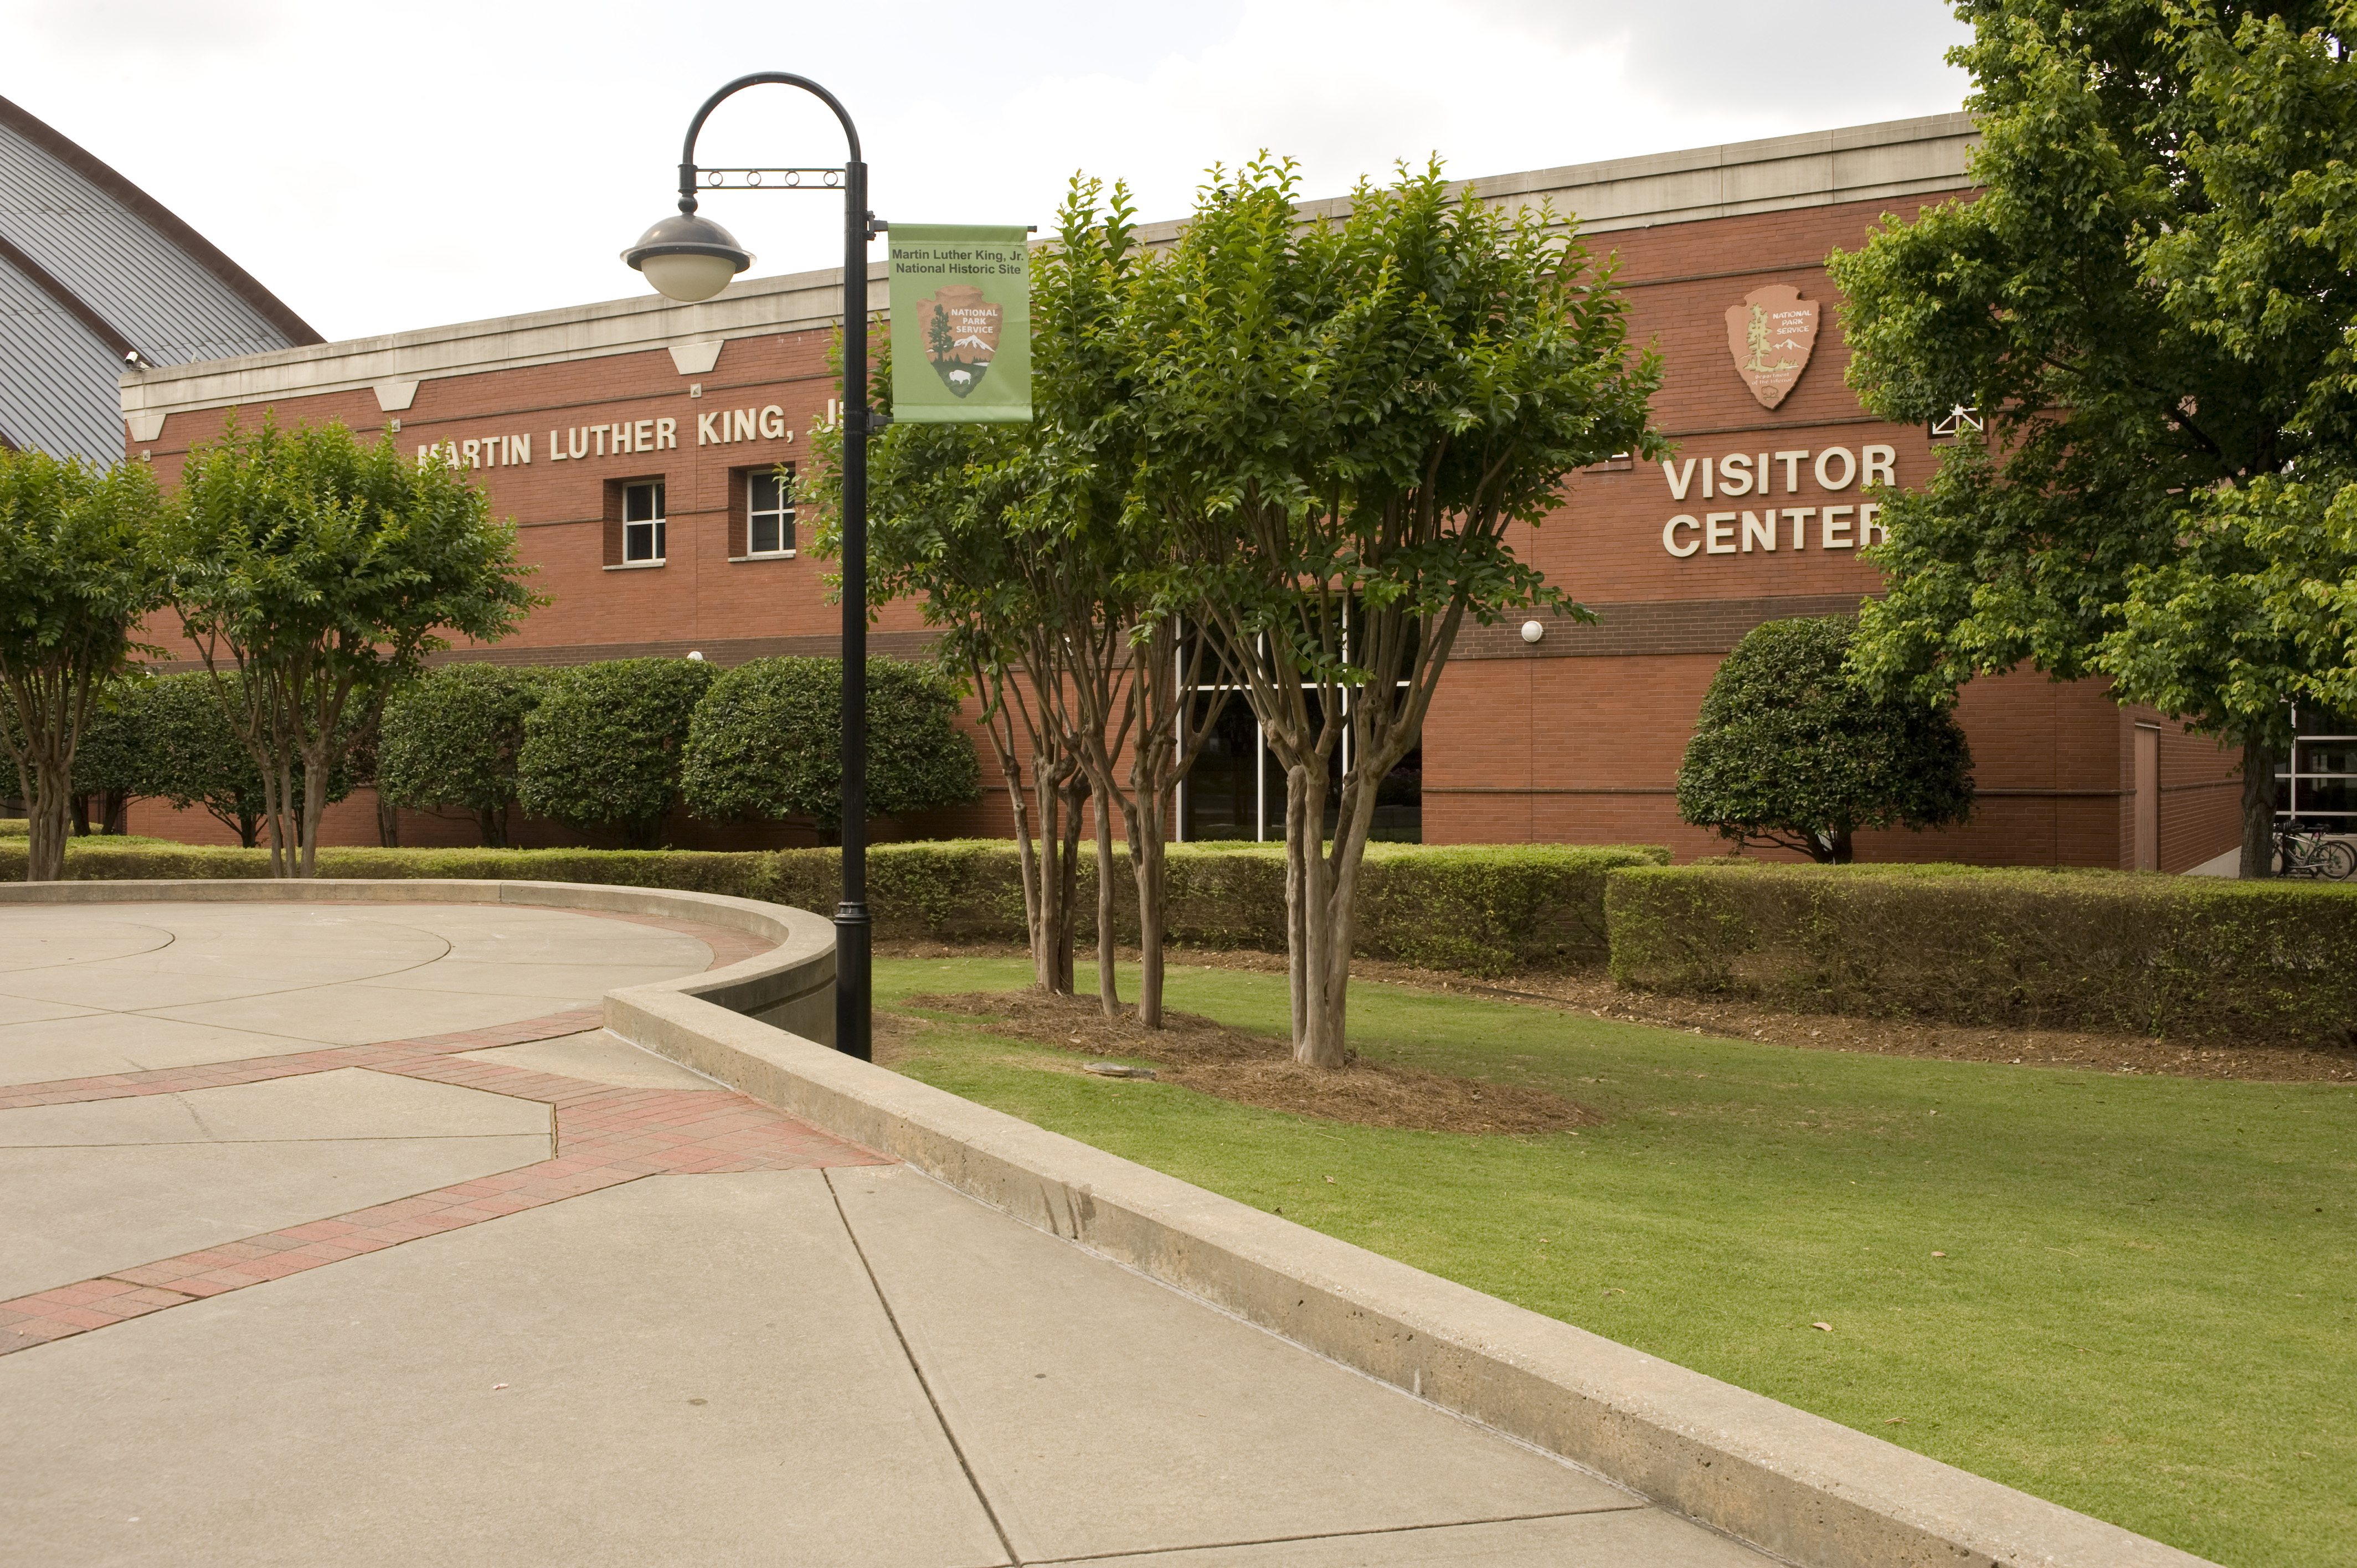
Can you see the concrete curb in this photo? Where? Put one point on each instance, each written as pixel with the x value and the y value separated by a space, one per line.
pixel 1793 1484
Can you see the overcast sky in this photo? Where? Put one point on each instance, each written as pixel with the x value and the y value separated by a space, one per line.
pixel 384 167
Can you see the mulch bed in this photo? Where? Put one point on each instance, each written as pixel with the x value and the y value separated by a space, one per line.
pixel 1259 1069
pixel 1592 992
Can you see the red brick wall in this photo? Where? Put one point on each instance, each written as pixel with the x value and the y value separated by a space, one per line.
pixel 700 597
pixel 1576 739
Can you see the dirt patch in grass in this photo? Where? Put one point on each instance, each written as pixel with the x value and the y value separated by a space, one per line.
pixel 1256 1070
pixel 1593 992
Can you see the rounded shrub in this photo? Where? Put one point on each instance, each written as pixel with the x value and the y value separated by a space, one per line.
pixel 452 736
pixel 1788 749
pixel 765 744
pixel 603 746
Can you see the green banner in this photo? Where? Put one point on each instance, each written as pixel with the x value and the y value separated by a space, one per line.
pixel 960 324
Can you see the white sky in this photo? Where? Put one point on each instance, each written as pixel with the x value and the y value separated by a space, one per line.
pixel 384 167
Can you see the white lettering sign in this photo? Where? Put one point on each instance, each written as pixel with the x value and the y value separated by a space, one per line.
pixel 1735 474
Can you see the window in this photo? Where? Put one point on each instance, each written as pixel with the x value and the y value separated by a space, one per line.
pixel 1236 789
pixel 2317 784
pixel 642 522
pixel 769 511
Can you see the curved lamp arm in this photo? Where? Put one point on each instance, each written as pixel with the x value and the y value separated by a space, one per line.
pixel 759 78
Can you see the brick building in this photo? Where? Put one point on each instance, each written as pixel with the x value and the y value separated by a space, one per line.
pixel 630 441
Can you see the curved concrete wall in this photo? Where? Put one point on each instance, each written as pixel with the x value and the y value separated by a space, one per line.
pixel 789 988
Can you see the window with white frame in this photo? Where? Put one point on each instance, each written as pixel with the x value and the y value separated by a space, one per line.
pixel 1236 788
pixel 642 522
pixel 769 510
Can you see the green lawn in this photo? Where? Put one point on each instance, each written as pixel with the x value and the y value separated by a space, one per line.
pixel 2145 1310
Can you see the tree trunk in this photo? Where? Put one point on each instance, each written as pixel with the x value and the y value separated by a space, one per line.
pixel 491 826
pixel 277 786
pixel 1068 891
pixel 1051 942
pixel 1150 866
pixel 315 804
pixel 82 816
pixel 1025 855
pixel 1108 952
pixel 2258 809
pixel 114 813
pixel 49 820
pixel 1297 879
pixel 388 824
pixel 1318 917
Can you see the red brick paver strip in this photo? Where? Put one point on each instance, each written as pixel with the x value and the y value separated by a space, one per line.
pixel 604 1136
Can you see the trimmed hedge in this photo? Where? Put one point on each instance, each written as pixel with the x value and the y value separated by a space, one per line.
pixel 1486 910
pixel 2190 956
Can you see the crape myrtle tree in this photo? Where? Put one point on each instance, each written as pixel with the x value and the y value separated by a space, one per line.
pixel 1792 749
pixel 604 745
pixel 1340 423
pixel 765 743
pixel 76 578
pixel 1038 578
pixel 1146 691
pixel 450 738
pixel 322 572
pixel 2151 304
pixel 940 506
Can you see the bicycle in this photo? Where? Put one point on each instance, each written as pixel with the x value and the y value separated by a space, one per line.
pixel 2306 852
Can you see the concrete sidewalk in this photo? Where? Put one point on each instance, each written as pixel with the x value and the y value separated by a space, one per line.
pixel 298 1281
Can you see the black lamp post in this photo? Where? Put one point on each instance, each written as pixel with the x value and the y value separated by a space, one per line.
pixel 688 258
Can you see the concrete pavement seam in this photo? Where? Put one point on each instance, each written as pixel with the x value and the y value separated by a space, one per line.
pixel 909 1352
pixel 1148 1556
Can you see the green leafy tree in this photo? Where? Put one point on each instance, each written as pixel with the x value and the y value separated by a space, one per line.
pixel 1019 544
pixel 322 571
pixel 76 578
pixel 1340 423
pixel 765 742
pixel 1143 689
pixel 1792 749
pixel 945 506
pixel 451 738
pixel 604 746
pixel 2151 304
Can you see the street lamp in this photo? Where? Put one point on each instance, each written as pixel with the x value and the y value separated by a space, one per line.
pixel 689 258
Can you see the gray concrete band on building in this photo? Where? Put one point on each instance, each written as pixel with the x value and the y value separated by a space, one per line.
pixel 1793 1484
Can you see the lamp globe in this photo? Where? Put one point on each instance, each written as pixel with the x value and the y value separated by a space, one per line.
pixel 688 258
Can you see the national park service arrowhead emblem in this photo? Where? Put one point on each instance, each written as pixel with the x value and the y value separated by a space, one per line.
pixel 1770 334
pixel 961 334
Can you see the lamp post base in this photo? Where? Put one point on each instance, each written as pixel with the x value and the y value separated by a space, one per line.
pixel 853 981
